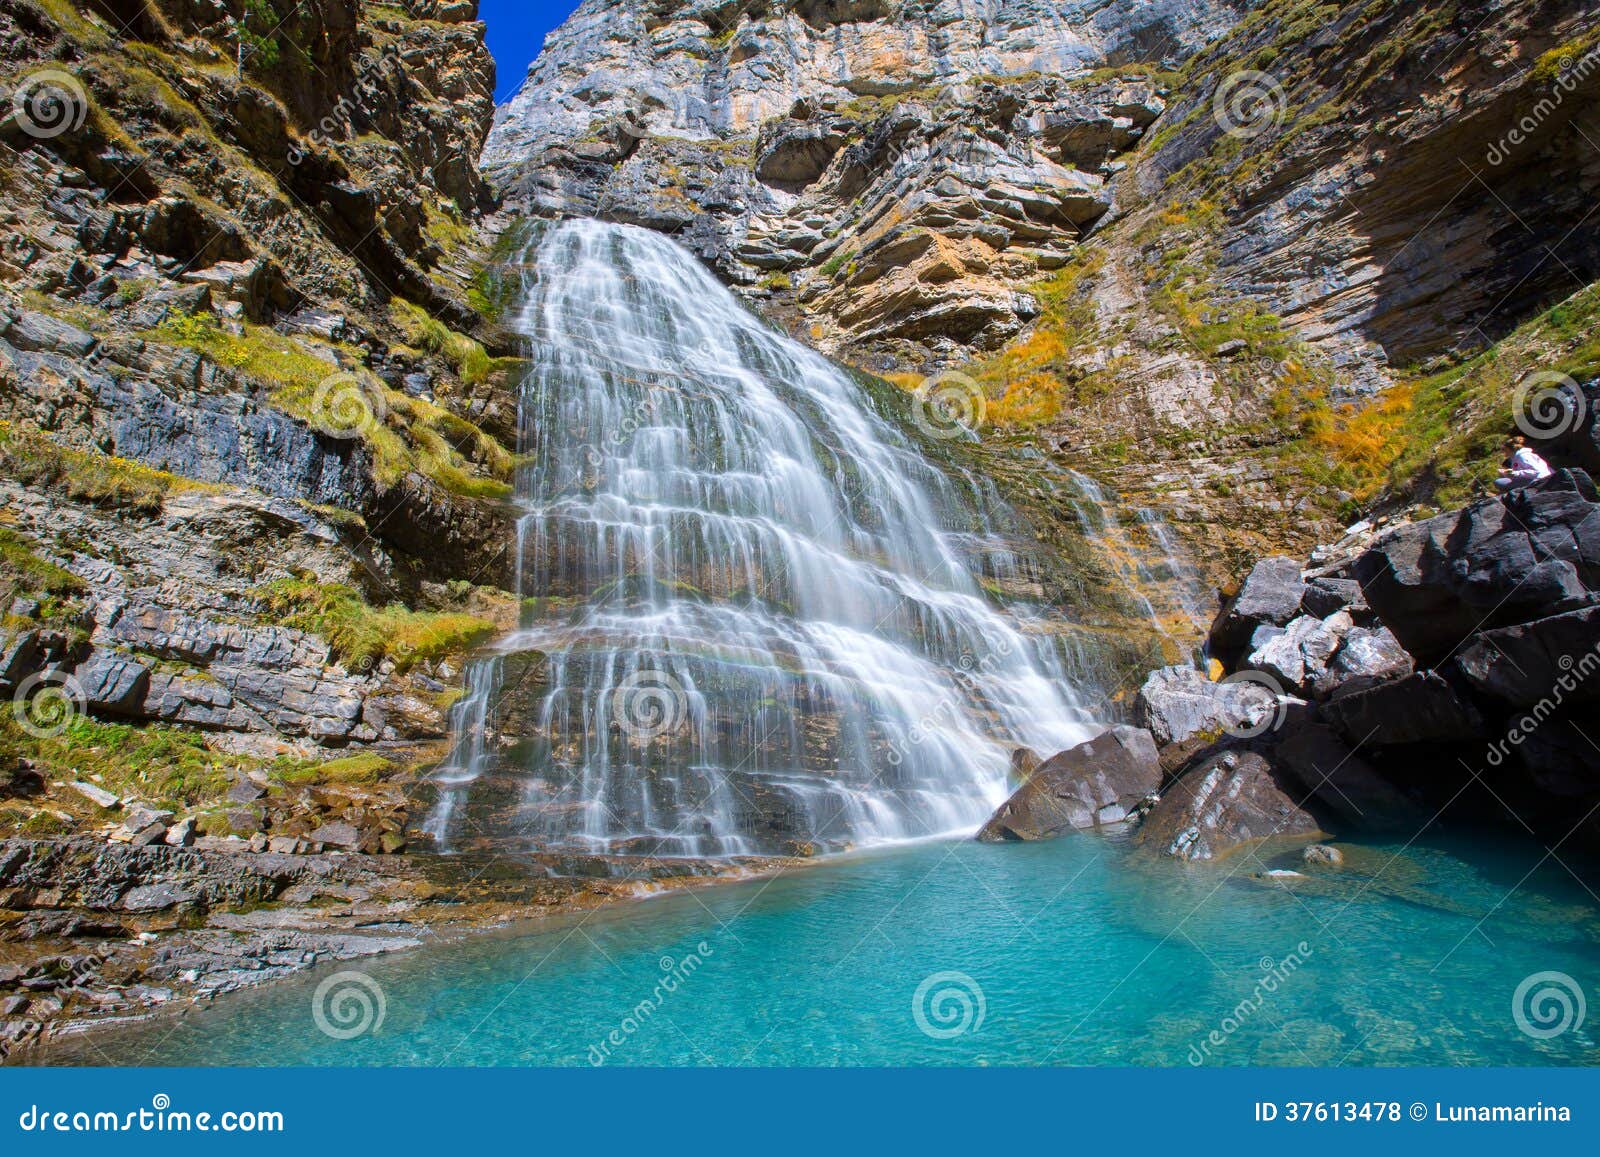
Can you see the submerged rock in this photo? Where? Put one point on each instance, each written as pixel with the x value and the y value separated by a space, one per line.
pixel 1096 783
pixel 1228 802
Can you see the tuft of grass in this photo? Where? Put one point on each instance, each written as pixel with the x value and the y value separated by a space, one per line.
pixel 160 765
pixel 87 475
pixel 361 634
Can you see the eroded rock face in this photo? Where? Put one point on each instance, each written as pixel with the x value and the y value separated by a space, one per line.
pixel 1092 785
pixel 1269 596
pixel 908 168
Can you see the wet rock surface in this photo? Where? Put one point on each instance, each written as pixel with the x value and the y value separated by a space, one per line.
pixel 1228 802
pixel 1096 784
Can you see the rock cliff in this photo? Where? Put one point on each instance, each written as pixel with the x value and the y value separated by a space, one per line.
pixel 896 172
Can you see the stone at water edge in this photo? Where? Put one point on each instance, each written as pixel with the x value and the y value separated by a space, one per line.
pixel 1323 856
pixel 1228 801
pixel 1329 771
pixel 1524 664
pixel 1097 783
pixel 1270 594
pixel 1178 703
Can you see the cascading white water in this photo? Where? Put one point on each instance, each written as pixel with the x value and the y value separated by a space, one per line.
pixel 755 622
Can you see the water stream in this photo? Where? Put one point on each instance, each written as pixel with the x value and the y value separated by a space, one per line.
pixel 761 620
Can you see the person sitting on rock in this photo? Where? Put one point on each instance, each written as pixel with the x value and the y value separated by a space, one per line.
pixel 1522 467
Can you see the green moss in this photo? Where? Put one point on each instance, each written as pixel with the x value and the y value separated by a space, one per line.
pixel 368 767
pixel 405 434
pixel 361 634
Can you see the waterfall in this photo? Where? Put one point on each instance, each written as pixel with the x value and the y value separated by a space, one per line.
pixel 758 620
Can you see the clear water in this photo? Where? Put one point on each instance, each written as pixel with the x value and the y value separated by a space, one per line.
pixel 762 622
pixel 1084 953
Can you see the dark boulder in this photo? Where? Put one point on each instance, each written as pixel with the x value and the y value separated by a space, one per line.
pixel 1495 563
pixel 1327 596
pixel 1328 770
pixel 1420 708
pixel 1553 659
pixel 1096 783
pixel 1228 801
pixel 1271 594
pixel 1367 657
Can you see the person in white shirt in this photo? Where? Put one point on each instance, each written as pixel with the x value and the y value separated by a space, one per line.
pixel 1523 467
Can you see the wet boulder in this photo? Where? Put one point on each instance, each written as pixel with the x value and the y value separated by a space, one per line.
pixel 1325 769
pixel 1178 703
pixel 1094 784
pixel 1229 801
pixel 1271 594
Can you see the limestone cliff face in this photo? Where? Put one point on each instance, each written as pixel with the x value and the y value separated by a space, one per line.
pixel 239 411
pixel 897 171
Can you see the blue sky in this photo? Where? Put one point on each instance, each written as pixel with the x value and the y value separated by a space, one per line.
pixel 516 30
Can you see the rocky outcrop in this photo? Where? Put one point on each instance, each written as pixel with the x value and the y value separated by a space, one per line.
pixel 903 172
pixel 1536 553
pixel 1093 785
pixel 1179 703
pixel 1481 715
pixel 1225 804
